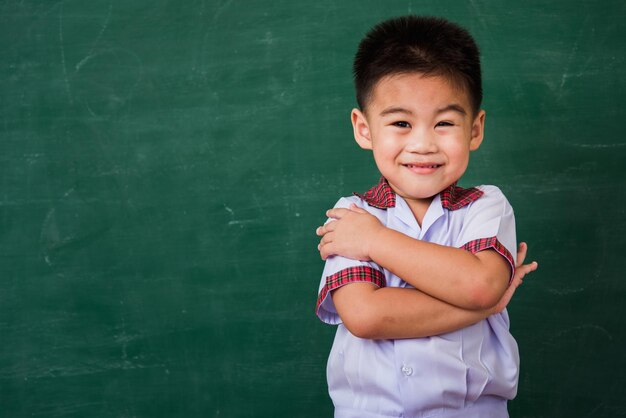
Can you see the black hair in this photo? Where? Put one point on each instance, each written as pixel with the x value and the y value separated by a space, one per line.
pixel 428 45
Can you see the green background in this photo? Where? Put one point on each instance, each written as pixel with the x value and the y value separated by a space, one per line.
pixel 163 166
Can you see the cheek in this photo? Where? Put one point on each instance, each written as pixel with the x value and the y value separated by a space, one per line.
pixel 459 154
pixel 385 161
pixel 386 152
pixel 463 165
pixel 380 158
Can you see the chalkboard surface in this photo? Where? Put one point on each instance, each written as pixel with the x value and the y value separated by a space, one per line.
pixel 163 166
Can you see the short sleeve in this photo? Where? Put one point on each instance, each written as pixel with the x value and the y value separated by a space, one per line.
pixel 490 224
pixel 339 271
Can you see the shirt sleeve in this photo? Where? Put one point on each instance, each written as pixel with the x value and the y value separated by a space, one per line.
pixel 339 271
pixel 490 224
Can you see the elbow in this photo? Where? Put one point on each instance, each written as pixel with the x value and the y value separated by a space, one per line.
pixel 362 330
pixel 484 301
pixel 363 324
pixel 486 293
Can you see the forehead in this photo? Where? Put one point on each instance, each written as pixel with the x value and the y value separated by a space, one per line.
pixel 418 92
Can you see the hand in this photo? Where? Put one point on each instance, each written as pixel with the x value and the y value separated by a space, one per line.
pixel 521 270
pixel 349 234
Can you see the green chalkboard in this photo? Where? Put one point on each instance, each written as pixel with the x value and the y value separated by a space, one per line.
pixel 163 166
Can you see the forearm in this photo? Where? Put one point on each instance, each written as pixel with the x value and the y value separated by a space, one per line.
pixel 451 274
pixel 396 313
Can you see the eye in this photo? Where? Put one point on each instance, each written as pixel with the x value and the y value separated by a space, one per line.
pixel 444 124
pixel 402 124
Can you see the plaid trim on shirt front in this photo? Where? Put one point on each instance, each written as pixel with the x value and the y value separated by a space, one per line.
pixel 350 275
pixel 482 244
pixel 453 197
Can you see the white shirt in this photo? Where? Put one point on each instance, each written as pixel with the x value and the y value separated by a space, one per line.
pixel 466 373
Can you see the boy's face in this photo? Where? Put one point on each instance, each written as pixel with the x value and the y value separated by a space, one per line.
pixel 421 130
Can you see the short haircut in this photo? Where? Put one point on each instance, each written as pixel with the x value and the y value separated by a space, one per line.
pixel 416 44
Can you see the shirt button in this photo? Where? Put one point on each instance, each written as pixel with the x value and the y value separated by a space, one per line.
pixel 408 371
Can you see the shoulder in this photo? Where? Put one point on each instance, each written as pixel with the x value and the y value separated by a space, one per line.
pixel 491 202
pixel 359 202
pixel 491 195
pixel 346 201
pixel 490 189
pixel 491 211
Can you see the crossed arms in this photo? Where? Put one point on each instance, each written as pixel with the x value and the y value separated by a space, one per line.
pixel 442 301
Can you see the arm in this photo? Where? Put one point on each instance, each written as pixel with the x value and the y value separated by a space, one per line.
pixel 470 281
pixel 431 268
pixel 394 313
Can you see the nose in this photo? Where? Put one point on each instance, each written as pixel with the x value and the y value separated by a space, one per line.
pixel 421 142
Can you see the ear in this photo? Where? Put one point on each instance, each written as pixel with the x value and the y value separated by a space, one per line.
pixel 362 133
pixel 478 131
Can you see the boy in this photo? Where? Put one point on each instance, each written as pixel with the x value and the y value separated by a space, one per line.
pixel 422 326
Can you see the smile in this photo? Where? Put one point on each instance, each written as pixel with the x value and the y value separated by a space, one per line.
pixel 423 169
pixel 418 166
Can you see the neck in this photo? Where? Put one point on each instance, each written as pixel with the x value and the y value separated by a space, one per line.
pixel 419 207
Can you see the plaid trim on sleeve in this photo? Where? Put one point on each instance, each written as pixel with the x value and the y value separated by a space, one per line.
pixel 350 275
pixel 482 244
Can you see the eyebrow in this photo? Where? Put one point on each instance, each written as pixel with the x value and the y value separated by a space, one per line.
pixel 391 110
pixel 454 107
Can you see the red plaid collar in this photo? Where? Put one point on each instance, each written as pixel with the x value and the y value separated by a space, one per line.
pixel 453 197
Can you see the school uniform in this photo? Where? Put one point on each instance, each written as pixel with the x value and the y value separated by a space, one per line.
pixel 471 372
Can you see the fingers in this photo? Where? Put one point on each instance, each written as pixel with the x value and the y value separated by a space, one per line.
pixel 320 248
pixel 324 246
pixel 337 213
pixel 325 229
pixel 527 268
pixel 522 249
pixel 524 269
pixel 325 249
pixel 326 239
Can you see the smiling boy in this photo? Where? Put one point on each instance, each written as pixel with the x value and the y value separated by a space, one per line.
pixel 417 268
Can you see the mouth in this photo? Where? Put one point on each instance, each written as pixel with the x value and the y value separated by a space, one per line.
pixel 422 165
pixel 425 165
pixel 423 168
